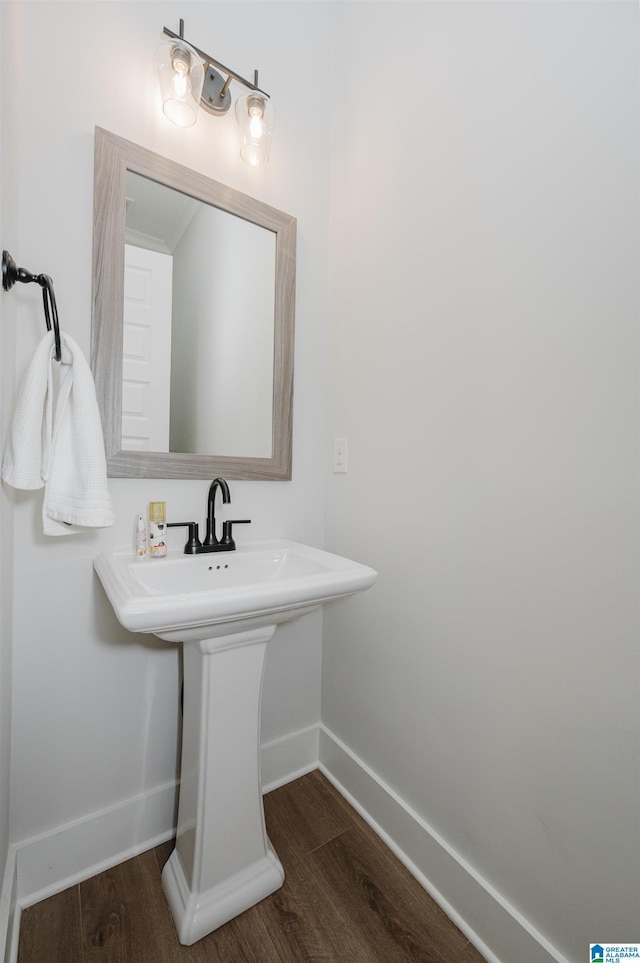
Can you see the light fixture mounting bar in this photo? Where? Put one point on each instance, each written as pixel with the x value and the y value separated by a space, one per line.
pixel 215 63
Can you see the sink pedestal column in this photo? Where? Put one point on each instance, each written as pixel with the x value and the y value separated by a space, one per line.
pixel 223 862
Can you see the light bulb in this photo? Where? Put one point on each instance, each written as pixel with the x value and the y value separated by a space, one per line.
pixel 180 84
pixel 180 59
pixel 181 76
pixel 181 63
pixel 255 124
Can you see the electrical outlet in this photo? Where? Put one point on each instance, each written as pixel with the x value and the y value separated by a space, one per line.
pixel 340 454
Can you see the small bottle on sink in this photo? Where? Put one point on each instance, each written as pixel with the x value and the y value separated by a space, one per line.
pixel 157 529
pixel 141 537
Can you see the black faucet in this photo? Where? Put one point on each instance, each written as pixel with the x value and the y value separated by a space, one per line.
pixel 211 544
pixel 210 539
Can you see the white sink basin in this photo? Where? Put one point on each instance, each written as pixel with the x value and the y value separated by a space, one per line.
pixel 224 607
pixel 186 598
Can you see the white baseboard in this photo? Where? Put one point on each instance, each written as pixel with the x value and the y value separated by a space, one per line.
pixel 285 759
pixel 487 919
pixel 8 915
pixel 47 864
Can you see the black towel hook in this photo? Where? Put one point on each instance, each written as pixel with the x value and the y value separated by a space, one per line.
pixel 12 273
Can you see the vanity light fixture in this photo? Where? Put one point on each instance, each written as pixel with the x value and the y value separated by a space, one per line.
pixel 190 78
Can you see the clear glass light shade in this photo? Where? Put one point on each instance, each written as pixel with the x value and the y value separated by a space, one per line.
pixel 255 116
pixel 181 76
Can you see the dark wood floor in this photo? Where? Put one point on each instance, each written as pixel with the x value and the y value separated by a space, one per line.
pixel 346 898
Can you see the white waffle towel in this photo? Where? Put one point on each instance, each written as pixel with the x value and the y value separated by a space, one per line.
pixel 62 450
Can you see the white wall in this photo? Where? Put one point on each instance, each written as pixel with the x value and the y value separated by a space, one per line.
pixel 484 367
pixel 5 646
pixel 95 709
pixel 9 171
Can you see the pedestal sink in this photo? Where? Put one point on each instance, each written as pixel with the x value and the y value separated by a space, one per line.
pixel 224 608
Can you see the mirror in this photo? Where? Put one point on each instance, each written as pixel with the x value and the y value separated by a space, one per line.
pixel 193 321
pixel 198 335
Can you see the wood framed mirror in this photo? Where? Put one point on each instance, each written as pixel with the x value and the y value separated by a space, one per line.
pixel 193 314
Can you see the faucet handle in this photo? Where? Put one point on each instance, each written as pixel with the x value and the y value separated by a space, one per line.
pixel 227 538
pixel 193 542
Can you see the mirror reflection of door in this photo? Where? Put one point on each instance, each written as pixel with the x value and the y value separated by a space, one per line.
pixel 215 392
pixel 146 354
